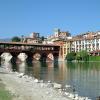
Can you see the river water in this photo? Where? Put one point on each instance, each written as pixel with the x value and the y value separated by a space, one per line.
pixel 84 77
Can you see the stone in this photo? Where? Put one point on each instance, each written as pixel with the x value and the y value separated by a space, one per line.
pixel 20 75
pixel 49 85
pixel 49 81
pixel 57 86
pixel 36 80
pixel 41 81
pixel 42 85
pixel 66 93
pixel 67 86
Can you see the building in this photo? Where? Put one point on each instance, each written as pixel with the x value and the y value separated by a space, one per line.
pixel 33 38
pixel 60 38
pixel 89 41
pixel 34 35
pixel 58 35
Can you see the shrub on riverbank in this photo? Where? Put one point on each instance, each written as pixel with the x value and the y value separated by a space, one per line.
pixel 82 56
pixel 4 94
pixel 94 58
pixel 71 56
pixel 79 56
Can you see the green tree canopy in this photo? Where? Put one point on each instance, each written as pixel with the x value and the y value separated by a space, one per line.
pixel 16 39
pixel 82 55
pixel 71 56
pixel 42 38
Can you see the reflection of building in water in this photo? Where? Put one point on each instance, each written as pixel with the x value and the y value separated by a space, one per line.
pixel 61 72
pixel 50 71
pixel 7 66
pixel 21 67
pixel 50 64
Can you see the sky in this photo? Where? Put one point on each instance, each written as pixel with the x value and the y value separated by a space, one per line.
pixel 22 17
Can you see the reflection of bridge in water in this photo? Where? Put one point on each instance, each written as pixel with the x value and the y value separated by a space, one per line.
pixel 44 52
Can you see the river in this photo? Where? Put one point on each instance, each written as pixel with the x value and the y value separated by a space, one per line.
pixel 84 77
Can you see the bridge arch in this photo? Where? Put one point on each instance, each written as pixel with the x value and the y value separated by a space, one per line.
pixel 43 57
pixel 56 56
pixel 15 48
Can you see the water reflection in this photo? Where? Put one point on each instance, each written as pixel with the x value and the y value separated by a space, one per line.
pixel 21 67
pixel 85 77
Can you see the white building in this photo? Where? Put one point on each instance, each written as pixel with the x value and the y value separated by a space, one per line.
pixel 89 42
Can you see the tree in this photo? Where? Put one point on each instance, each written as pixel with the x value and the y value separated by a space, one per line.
pixel 42 38
pixel 16 39
pixel 82 55
pixel 68 33
pixel 78 56
pixel 71 56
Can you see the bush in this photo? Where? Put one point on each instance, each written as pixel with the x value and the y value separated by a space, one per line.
pixel 16 39
pixel 94 58
pixel 71 56
pixel 82 55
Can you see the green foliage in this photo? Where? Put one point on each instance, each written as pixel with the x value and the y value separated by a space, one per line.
pixel 68 33
pixel 42 38
pixel 80 56
pixel 94 58
pixel 84 55
pixel 71 56
pixel 16 39
pixel 4 95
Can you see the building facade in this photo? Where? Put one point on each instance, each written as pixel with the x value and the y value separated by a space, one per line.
pixel 89 42
pixel 59 38
pixel 58 35
pixel 33 38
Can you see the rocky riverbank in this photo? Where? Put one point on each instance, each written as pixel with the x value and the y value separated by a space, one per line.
pixel 24 87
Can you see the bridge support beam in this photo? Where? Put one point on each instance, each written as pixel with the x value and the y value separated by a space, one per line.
pixel 50 57
pixel 22 57
pixel 15 48
pixel 36 57
pixel 6 57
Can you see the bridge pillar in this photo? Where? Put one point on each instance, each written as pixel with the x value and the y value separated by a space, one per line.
pixel 61 54
pixel 0 57
pixel 36 57
pixel 22 57
pixel 50 57
pixel 6 56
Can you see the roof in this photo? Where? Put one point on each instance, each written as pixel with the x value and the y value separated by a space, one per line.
pixel 27 44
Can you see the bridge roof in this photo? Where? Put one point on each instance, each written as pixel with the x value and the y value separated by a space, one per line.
pixel 28 44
